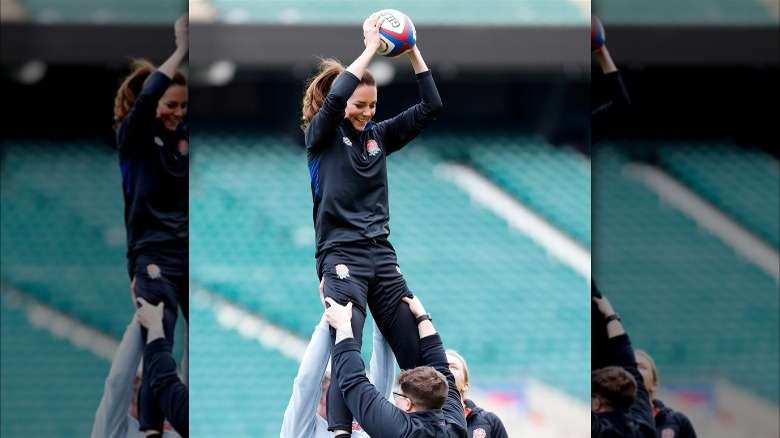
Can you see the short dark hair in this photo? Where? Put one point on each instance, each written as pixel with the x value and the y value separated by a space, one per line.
pixel 426 387
pixel 614 385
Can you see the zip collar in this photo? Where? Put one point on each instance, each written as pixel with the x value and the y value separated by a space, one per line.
pixel 369 126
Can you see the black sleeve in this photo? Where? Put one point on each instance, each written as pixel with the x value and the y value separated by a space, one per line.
pixel 141 116
pixel 433 355
pixel 598 332
pixel 613 112
pixel 686 428
pixel 169 391
pixel 595 425
pixel 374 413
pixel 499 431
pixel 324 124
pixel 621 354
pixel 403 128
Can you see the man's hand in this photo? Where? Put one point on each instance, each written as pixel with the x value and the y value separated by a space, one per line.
pixel 415 305
pixel 338 316
pixel 151 317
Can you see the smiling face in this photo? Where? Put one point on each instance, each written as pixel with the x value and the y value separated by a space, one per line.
pixel 361 106
pixel 172 107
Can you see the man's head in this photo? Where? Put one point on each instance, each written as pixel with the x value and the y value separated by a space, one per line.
pixel 421 389
pixel 612 388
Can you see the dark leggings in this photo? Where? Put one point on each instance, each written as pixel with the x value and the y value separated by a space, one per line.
pixel 368 275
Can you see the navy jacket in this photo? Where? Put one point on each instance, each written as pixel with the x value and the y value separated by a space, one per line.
pixel 489 423
pixel 348 168
pixel 155 174
pixel 637 420
pixel 381 418
pixel 667 419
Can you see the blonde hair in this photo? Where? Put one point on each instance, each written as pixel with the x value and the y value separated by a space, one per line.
pixel 462 361
pixel 651 361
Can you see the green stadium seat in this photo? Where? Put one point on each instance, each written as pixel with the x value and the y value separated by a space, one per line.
pixel 742 183
pixel 677 284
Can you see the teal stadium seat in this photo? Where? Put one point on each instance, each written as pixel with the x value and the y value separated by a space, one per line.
pixel 63 236
pixel 742 183
pixel 676 286
pixel 554 181
pixel 238 387
pixel 49 387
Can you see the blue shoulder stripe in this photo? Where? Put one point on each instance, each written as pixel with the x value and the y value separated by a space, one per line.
pixel 127 182
pixel 314 173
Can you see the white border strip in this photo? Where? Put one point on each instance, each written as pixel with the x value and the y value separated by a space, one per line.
pixel 250 325
pixel 61 325
pixel 708 217
pixel 558 244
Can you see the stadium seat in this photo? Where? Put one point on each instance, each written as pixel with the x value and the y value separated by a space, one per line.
pixel 700 310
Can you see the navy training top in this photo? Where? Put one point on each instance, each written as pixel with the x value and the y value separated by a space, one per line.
pixel 348 167
pixel 155 173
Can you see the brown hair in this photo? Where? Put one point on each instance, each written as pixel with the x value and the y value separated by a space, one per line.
pixel 318 87
pixel 426 387
pixel 131 87
pixel 614 385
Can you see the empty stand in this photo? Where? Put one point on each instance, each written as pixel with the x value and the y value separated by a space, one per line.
pixel 685 297
pixel 742 183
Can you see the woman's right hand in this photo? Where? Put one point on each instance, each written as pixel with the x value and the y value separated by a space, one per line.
pixel 182 30
pixel 371 31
